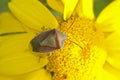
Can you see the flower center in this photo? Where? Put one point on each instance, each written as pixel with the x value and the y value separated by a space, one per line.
pixel 82 56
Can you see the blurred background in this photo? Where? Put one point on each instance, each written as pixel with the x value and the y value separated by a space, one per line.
pixel 98 5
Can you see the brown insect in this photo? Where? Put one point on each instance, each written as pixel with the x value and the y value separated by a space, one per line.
pixel 48 41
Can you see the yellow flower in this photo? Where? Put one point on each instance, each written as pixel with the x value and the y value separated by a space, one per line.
pixel 91 51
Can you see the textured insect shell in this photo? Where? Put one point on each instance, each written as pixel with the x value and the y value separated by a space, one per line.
pixel 35 42
pixel 48 41
pixel 61 38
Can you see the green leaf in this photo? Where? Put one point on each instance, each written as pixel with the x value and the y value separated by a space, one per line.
pixel 4 5
pixel 99 5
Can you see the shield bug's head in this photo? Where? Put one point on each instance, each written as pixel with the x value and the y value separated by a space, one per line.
pixel 48 41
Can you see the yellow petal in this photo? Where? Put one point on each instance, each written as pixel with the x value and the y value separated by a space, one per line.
pixel 85 9
pixel 6 78
pixel 33 14
pixel 110 17
pixel 9 24
pixel 113 73
pixel 16 56
pixel 41 74
pixel 69 6
pixel 112 44
pixel 105 75
pixel 56 5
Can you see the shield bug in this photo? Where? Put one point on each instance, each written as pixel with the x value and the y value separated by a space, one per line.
pixel 48 41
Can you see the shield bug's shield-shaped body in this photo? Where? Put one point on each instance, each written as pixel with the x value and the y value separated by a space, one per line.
pixel 48 41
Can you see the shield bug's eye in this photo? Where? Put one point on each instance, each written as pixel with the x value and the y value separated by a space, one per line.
pixel 48 41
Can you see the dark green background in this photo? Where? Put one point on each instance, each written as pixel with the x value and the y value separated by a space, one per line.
pixel 99 5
